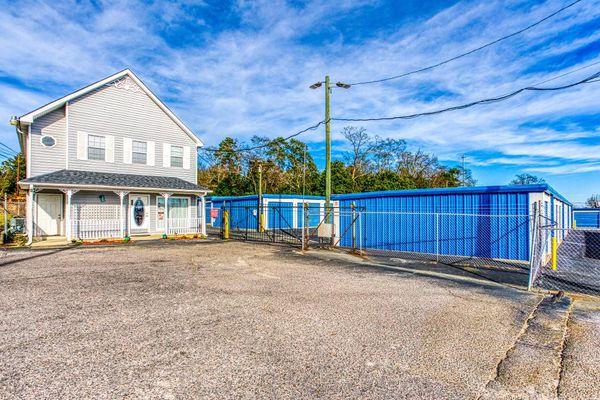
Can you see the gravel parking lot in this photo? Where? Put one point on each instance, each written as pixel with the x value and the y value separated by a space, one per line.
pixel 238 320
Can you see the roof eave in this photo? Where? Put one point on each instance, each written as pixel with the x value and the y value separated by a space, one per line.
pixel 49 185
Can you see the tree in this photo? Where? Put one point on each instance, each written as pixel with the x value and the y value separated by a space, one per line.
pixel 593 201
pixel 9 175
pixel 526 179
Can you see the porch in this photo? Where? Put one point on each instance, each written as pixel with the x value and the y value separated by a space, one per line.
pixel 90 212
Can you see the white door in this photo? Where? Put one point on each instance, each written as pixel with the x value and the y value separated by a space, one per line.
pixel 139 212
pixel 49 214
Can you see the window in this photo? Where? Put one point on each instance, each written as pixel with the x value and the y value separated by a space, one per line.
pixel 139 152
pixel 178 207
pixel 96 147
pixel 177 156
pixel 48 141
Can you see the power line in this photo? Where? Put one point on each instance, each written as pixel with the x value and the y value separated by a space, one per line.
pixel 590 78
pixel 567 73
pixel 470 51
pixel 3 145
pixel 271 142
pixel 6 153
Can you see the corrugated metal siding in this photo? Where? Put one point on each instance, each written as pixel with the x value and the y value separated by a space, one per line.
pixel 493 225
pixel 280 215
pixel 589 218
pixel 124 113
pixel 237 212
pixel 48 159
pixel 314 214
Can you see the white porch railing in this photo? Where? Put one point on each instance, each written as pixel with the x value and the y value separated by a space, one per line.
pixel 182 226
pixel 96 228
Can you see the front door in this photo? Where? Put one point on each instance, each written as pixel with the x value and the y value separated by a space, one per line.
pixel 49 214
pixel 139 212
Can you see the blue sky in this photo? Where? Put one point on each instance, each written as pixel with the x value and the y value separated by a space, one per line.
pixel 243 68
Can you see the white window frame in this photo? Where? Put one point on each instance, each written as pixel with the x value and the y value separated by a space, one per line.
pixel 133 152
pixel 87 147
pixel 171 156
pixel 50 136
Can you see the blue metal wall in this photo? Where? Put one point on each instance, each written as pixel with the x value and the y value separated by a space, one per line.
pixel 587 217
pixel 243 210
pixel 489 225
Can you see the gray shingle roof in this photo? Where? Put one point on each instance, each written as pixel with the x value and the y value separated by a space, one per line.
pixel 106 179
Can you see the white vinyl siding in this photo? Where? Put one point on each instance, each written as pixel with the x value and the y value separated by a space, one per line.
pixel 177 156
pixel 127 116
pixel 127 149
pixel 43 159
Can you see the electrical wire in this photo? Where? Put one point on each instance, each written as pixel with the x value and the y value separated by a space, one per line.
pixel 271 142
pixel 3 145
pixel 470 51
pixel 589 79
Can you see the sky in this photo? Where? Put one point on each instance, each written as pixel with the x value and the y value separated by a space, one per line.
pixel 244 68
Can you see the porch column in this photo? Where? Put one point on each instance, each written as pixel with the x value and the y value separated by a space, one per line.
pixel 31 211
pixel 122 195
pixel 69 217
pixel 166 197
pixel 203 206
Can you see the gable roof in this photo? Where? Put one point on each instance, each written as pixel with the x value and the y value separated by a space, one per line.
pixel 53 105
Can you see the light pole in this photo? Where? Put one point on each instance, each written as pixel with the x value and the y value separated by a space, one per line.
pixel 328 140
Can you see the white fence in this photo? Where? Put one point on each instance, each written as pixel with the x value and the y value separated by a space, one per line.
pixel 96 228
pixel 182 226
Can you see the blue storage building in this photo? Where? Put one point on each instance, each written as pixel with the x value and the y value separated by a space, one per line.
pixel 484 222
pixel 587 217
pixel 283 211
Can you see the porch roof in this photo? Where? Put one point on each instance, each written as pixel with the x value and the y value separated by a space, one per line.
pixel 92 180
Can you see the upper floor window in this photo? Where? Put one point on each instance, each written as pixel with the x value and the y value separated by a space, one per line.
pixel 48 140
pixel 139 153
pixel 177 156
pixel 96 147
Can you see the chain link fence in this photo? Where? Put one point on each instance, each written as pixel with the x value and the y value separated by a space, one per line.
pixel 12 216
pixel 528 250
pixel 567 259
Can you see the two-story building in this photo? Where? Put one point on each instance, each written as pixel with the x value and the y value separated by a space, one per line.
pixel 109 160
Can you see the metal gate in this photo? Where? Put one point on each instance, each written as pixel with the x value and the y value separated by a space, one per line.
pixel 304 225
pixel 566 259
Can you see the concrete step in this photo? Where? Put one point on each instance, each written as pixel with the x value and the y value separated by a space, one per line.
pixel 531 369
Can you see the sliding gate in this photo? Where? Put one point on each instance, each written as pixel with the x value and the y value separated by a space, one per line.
pixel 304 225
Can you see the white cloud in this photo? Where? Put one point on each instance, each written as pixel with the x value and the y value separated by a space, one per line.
pixel 252 77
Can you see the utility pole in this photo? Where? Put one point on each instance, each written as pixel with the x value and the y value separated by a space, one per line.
pixel 328 140
pixel 327 151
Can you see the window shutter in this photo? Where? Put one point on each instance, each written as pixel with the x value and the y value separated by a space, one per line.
pixel 127 148
pixel 186 157
pixel 166 155
pixel 81 146
pixel 109 141
pixel 151 154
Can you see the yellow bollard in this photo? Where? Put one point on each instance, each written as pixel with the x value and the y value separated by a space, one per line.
pixel 261 223
pixel 554 248
pixel 574 224
pixel 225 224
